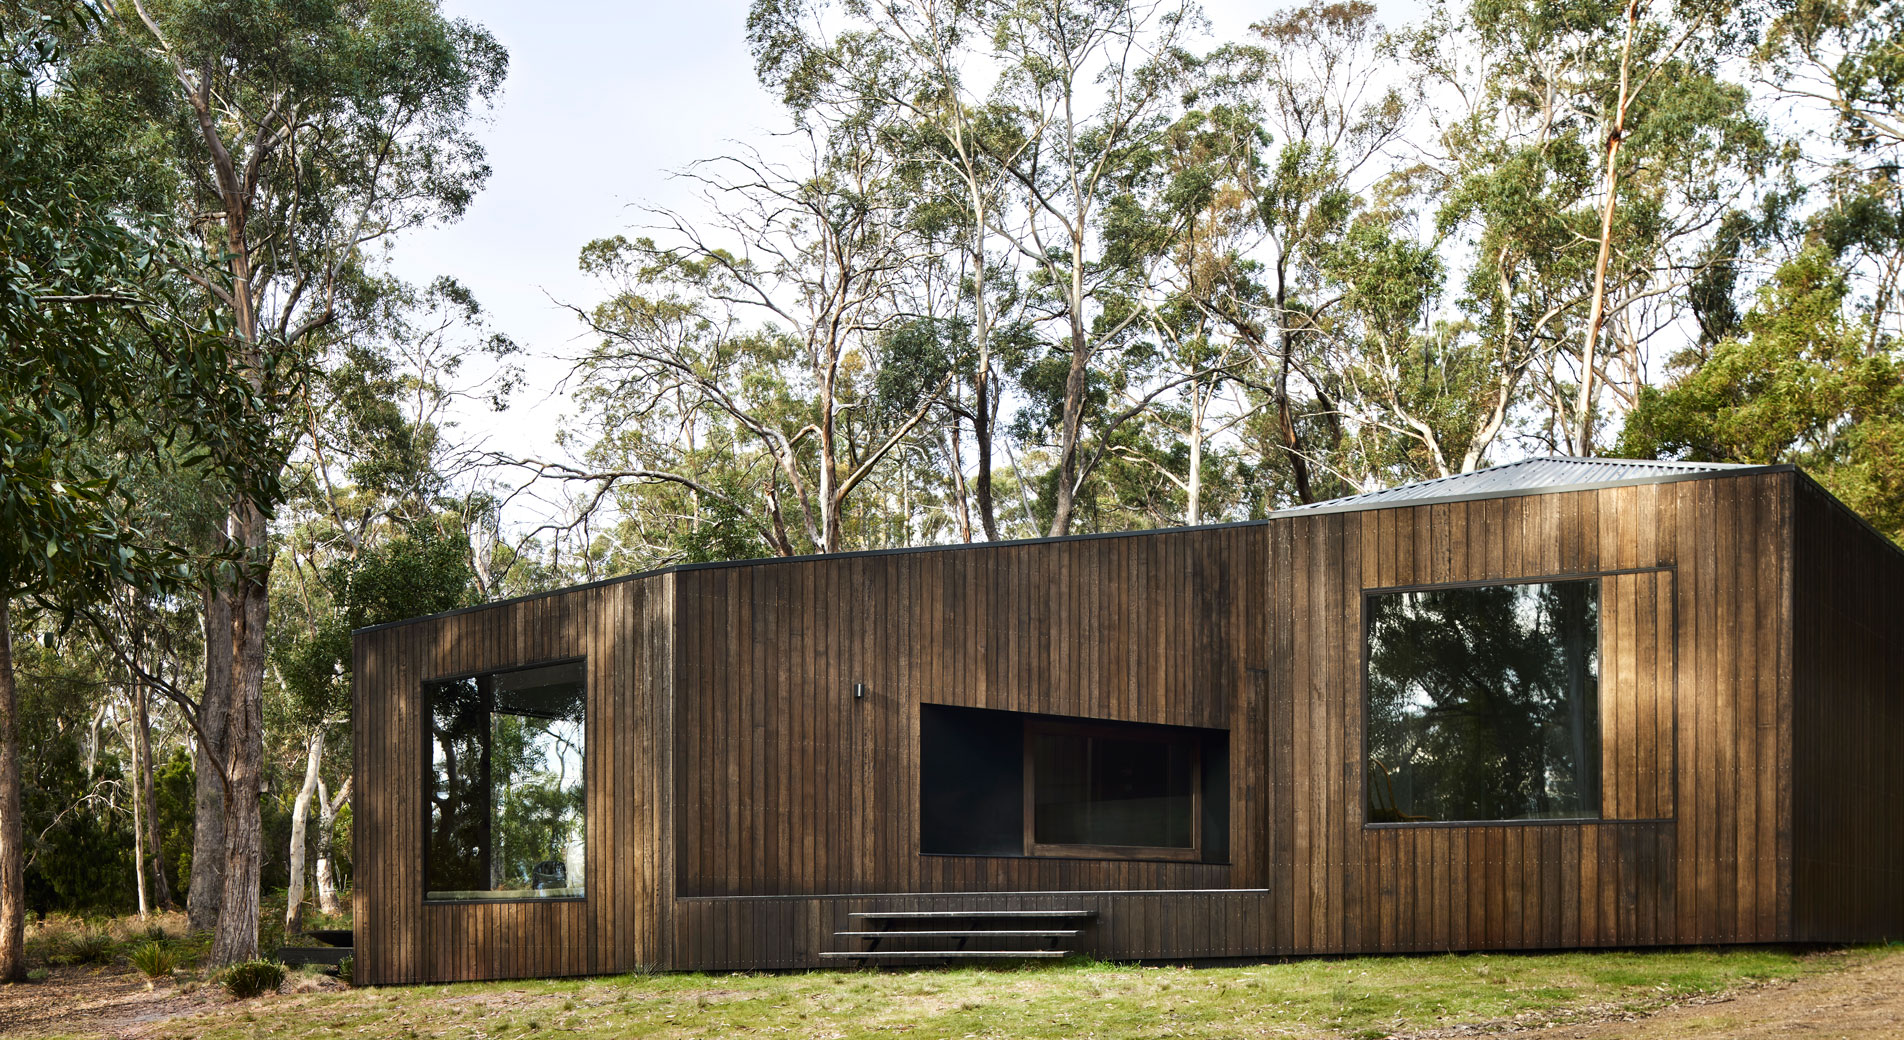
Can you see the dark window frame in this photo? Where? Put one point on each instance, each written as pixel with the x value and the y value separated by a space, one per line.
pixel 428 761
pixel 1192 853
pixel 1597 578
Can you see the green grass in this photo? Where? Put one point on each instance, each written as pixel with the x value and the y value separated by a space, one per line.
pixel 1357 997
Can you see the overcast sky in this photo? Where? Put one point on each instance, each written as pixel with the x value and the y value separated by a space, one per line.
pixel 603 100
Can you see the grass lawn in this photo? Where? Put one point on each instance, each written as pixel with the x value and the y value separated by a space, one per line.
pixel 1356 997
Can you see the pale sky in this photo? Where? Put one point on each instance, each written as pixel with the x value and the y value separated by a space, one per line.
pixel 603 100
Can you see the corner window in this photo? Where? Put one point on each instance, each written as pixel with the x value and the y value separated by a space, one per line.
pixel 505 794
pixel 1012 784
pixel 1483 703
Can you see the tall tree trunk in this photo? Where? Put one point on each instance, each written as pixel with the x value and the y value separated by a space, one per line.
pixel 1074 386
pixel 138 830
pixel 982 376
pixel 830 529
pixel 982 431
pixel 236 935
pixel 148 787
pixel 1193 486
pixel 1285 413
pixel 1596 317
pixel 208 815
pixel 12 833
pixel 300 818
pixel 326 840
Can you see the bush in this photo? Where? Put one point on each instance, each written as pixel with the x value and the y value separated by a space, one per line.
pixel 253 978
pixel 91 945
pixel 346 970
pixel 154 958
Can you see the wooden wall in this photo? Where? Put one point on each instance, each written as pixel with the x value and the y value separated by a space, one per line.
pixel 741 800
pixel 624 632
pixel 1848 866
pixel 1695 663
pixel 788 785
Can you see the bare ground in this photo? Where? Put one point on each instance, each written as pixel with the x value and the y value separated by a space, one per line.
pixel 1865 1001
pixel 90 1001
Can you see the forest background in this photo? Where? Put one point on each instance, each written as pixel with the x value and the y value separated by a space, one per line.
pixel 1005 269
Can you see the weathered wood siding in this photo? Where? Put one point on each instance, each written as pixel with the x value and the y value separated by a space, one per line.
pixel 742 801
pixel 788 785
pixel 1695 664
pixel 624 631
pixel 1848 865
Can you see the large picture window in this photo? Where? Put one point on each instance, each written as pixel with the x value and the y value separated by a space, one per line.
pixel 506 801
pixel 1483 703
pixel 1013 784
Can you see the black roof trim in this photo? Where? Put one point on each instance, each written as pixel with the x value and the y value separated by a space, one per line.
pixel 1350 505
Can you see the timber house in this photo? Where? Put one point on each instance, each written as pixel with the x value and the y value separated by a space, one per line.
pixel 1558 703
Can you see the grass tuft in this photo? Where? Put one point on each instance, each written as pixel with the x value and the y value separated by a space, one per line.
pixel 154 958
pixel 252 978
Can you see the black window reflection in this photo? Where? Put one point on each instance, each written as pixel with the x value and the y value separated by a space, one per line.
pixel 1483 703
pixel 506 799
pixel 1094 789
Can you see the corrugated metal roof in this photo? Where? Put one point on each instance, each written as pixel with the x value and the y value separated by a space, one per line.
pixel 1527 475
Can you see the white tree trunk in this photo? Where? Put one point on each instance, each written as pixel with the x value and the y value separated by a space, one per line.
pixel 300 814
pixel 138 833
pixel 327 810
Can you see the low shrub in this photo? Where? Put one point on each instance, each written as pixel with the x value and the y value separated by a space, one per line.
pixel 154 958
pixel 252 978
pixel 90 945
pixel 346 969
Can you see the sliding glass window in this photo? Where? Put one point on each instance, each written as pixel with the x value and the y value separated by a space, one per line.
pixel 1483 703
pixel 506 802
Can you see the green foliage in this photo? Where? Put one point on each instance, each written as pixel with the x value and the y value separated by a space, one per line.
pixel 249 979
pixel 154 958
pixel 347 969
pixel 79 854
pixel 84 338
pixel 424 572
pixel 175 786
pixel 1805 380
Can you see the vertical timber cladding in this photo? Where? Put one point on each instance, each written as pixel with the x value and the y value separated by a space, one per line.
pixel 1848 729
pixel 623 629
pixel 1695 664
pixel 787 785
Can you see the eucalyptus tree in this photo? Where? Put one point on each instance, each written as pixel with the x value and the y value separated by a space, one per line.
pixel 300 133
pixel 1085 89
pixel 917 60
pixel 84 342
pixel 753 351
pixel 1836 73
pixel 1584 161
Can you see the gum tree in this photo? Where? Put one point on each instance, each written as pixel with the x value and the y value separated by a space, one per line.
pixel 300 135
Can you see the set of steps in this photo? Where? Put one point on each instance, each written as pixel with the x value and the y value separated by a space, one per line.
pixel 337 946
pixel 936 936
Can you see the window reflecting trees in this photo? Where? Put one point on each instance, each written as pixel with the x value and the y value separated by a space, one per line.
pixel 1483 703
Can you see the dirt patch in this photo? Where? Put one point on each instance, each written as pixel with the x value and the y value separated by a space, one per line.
pixel 1863 1000
pixel 92 1001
